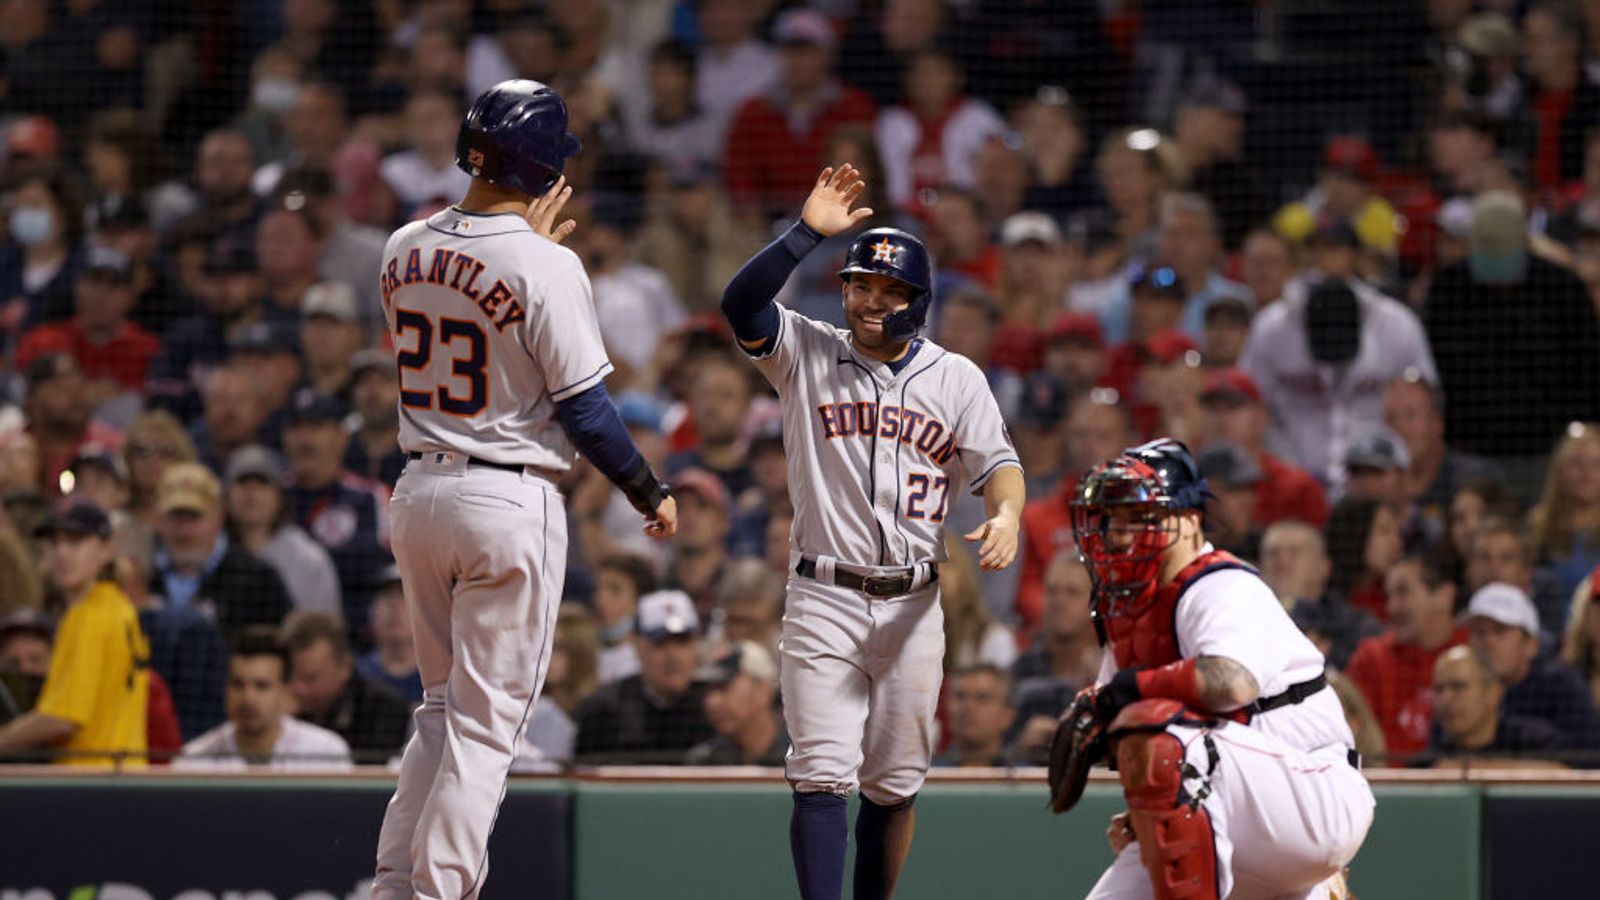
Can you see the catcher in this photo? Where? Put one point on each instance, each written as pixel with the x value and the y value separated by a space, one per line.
pixel 1235 757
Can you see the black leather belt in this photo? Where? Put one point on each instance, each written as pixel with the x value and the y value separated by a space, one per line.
pixel 1295 694
pixel 473 461
pixel 894 585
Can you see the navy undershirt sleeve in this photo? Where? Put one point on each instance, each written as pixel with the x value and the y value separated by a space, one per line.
pixel 747 300
pixel 592 422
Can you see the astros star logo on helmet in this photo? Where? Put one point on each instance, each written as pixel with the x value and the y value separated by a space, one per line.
pixel 883 251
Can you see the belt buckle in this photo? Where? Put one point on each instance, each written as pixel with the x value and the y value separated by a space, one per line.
pixel 886 585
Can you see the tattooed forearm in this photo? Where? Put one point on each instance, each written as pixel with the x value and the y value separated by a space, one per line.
pixel 1224 684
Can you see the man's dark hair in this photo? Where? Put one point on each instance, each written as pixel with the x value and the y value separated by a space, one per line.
pixel 635 568
pixel 999 674
pixel 304 629
pixel 260 640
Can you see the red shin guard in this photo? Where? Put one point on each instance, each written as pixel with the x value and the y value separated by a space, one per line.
pixel 1175 838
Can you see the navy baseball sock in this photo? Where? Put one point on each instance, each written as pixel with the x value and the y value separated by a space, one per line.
pixel 819 829
pixel 883 838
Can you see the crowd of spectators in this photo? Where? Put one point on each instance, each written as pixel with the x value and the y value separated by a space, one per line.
pixel 1355 267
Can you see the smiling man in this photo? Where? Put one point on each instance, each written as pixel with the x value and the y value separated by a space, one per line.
pixel 880 428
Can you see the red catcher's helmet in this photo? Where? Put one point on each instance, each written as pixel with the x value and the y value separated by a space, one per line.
pixel 1123 523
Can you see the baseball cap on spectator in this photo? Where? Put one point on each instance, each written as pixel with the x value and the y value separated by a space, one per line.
pixel 768 435
pixel 707 325
pixel 254 461
pixel 1093 230
pixel 27 621
pixel 333 300
pixel 74 517
pixel 743 658
pixel 261 337
pixel 1506 604
pixel 311 407
pixel 1232 386
pixel 1489 34
pixel 1168 346
pixel 1016 346
pixel 804 26
pixel 666 614
pixel 372 361
pixel 49 367
pixel 108 263
pixel 640 410
pixel 1077 328
pixel 1043 402
pixel 1352 156
pixel 1023 227
pixel 1381 449
pixel 1337 233
pixel 1227 309
pixel 1157 281
pixel 707 486
pixel 1229 465
pixel 118 212
pixel 230 256
pixel 1216 93
pixel 33 137
pixel 188 487
pixel 94 456
pixel 616 209
pixel 689 172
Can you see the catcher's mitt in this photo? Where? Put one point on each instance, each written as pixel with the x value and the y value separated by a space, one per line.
pixel 1080 742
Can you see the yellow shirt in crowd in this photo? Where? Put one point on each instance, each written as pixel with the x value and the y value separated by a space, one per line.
pixel 99 681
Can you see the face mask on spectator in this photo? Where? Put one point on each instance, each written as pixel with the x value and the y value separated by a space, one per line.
pixel 275 95
pixel 1333 323
pixel 30 226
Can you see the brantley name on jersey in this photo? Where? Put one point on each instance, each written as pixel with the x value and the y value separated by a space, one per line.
pixel 458 271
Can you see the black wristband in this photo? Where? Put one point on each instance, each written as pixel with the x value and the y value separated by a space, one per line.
pixel 643 489
pixel 1121 690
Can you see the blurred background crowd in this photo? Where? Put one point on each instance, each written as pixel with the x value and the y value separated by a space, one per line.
pixel 1347 250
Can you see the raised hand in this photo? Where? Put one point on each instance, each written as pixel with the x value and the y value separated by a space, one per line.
pixel 827 210
pixel 543 210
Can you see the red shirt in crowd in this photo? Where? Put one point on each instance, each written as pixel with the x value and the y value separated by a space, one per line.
pixel 162 736
pixel 771 166
pixel 1397 680
pixel 1549 108
pixel 1046 531
pixel 1286 492
pixel 123 359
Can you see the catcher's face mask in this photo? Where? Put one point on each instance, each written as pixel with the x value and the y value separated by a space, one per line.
pixel 1124 522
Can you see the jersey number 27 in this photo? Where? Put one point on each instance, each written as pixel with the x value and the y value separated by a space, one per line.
pixel 470 356
pixel 918 486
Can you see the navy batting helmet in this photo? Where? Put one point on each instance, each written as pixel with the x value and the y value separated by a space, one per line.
pixel 515 135
pixel 1178 470
pixel 892 252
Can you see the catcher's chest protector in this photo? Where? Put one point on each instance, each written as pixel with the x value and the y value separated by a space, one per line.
pixel 1150 638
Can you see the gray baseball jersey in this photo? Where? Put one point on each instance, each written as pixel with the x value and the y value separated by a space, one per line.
pixel 493 325
pixel 875 454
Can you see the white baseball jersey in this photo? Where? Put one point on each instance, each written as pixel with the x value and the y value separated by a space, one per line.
pixel 300 745
pixel 874 455
pixel 1282 786
pixel 493 325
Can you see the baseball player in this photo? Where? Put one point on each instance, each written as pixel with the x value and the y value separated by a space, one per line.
pixel 500 365
pixel 1234 754
pixel 881 429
